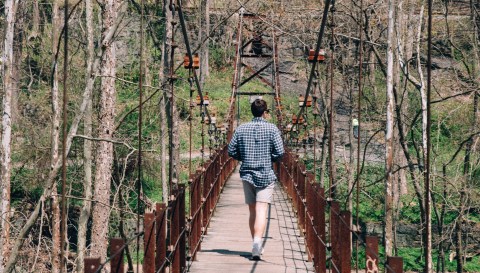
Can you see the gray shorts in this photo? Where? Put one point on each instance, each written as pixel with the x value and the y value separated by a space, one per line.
pixel 254 194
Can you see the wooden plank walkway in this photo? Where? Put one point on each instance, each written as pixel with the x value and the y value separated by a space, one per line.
pixel 228 244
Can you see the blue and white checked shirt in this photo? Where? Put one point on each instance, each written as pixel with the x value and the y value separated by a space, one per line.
pixel 257 144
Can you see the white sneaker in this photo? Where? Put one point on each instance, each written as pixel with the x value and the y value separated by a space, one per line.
pixel 257 252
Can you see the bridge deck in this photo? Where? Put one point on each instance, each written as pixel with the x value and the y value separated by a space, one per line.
pixel 227 246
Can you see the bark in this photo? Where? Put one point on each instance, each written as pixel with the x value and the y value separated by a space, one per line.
pixel 163 71
pixel 204 32
pixel 388 232
pixel 106 126
pixel 423 95
pixel 35 21
pixel 171 112
pixel 87 148
pixel 5 159
pixel 49 182
pixel 55 139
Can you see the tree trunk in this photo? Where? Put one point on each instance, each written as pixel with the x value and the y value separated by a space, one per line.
pixel 388 232
pixel 52 175
pixel 204 31
pixel 171 108
pixel 423 94
pixel 5 159
pixel 163 72
pixel 35 21
pixel 87 148
pixel 104 158
pixel 55 139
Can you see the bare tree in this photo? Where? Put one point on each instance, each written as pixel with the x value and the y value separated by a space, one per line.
pixel 204 31
pixel 163 72
pixel 106 126
pixel 55 137
pixel 9 85
pixel 388 232
pixel 87 147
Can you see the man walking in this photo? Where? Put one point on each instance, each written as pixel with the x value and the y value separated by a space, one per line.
pixel 257 144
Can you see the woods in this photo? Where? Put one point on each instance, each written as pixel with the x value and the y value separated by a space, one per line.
pixel 375 70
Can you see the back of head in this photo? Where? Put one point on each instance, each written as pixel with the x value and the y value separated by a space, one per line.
pixel 258 107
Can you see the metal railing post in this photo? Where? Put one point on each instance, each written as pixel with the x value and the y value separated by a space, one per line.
pixel 149 243
pixel 116 264
pixel 161 238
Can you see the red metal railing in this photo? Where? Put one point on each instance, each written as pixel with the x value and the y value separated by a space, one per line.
pixel 310 204
pixel 170 238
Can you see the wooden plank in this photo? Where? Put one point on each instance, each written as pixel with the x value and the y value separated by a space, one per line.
pixel 228 245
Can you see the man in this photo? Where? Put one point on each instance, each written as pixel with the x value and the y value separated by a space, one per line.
pixel 355 127
pixel 257 144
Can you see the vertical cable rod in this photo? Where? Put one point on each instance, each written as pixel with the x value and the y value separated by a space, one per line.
pixel 331 150
pixel 140 122
pixel 359 135
pixel 171 101
pixel 315 57
pixel 190 118
pixel 330 137
pixel 63 217
pixel 428 148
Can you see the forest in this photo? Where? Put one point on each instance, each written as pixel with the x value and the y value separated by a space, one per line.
pixel 101 117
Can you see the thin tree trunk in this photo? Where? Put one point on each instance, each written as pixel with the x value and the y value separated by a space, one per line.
pixel 104 158
pixel 35 21
pixel 388 232
pixel 87 148
pixel 423 95
pixel 163 71
pixel 55 140
pixel 171 110
pixel 5 159
pixel 49 182
pixel 204 31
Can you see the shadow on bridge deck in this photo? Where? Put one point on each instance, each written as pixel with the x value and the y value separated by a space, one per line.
pixel 227 246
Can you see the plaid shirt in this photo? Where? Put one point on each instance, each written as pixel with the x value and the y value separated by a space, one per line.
pixel 257 144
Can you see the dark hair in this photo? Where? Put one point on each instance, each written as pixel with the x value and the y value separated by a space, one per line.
pixel 258 107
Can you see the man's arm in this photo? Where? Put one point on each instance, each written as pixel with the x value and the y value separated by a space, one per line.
pixel 277 146
pixel 233 150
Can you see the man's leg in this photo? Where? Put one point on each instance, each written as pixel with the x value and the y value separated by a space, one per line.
pixel 258 222
pixel 260 219
pixel 251 220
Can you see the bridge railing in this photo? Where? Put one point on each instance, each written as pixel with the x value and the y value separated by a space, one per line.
pixel 171 237
pixel 310 204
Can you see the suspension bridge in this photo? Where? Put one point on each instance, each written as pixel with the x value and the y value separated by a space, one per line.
pixel 308 231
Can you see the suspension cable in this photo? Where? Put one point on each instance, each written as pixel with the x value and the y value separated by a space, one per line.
pixel 63 217
pixel 359 118
pixel 190 118
pixel 171 102
pixel 317 49
pixel 276 66
pixel 189 52
pixel 331 188
pixel 428 242
pixel 140 123
pixel 236 71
